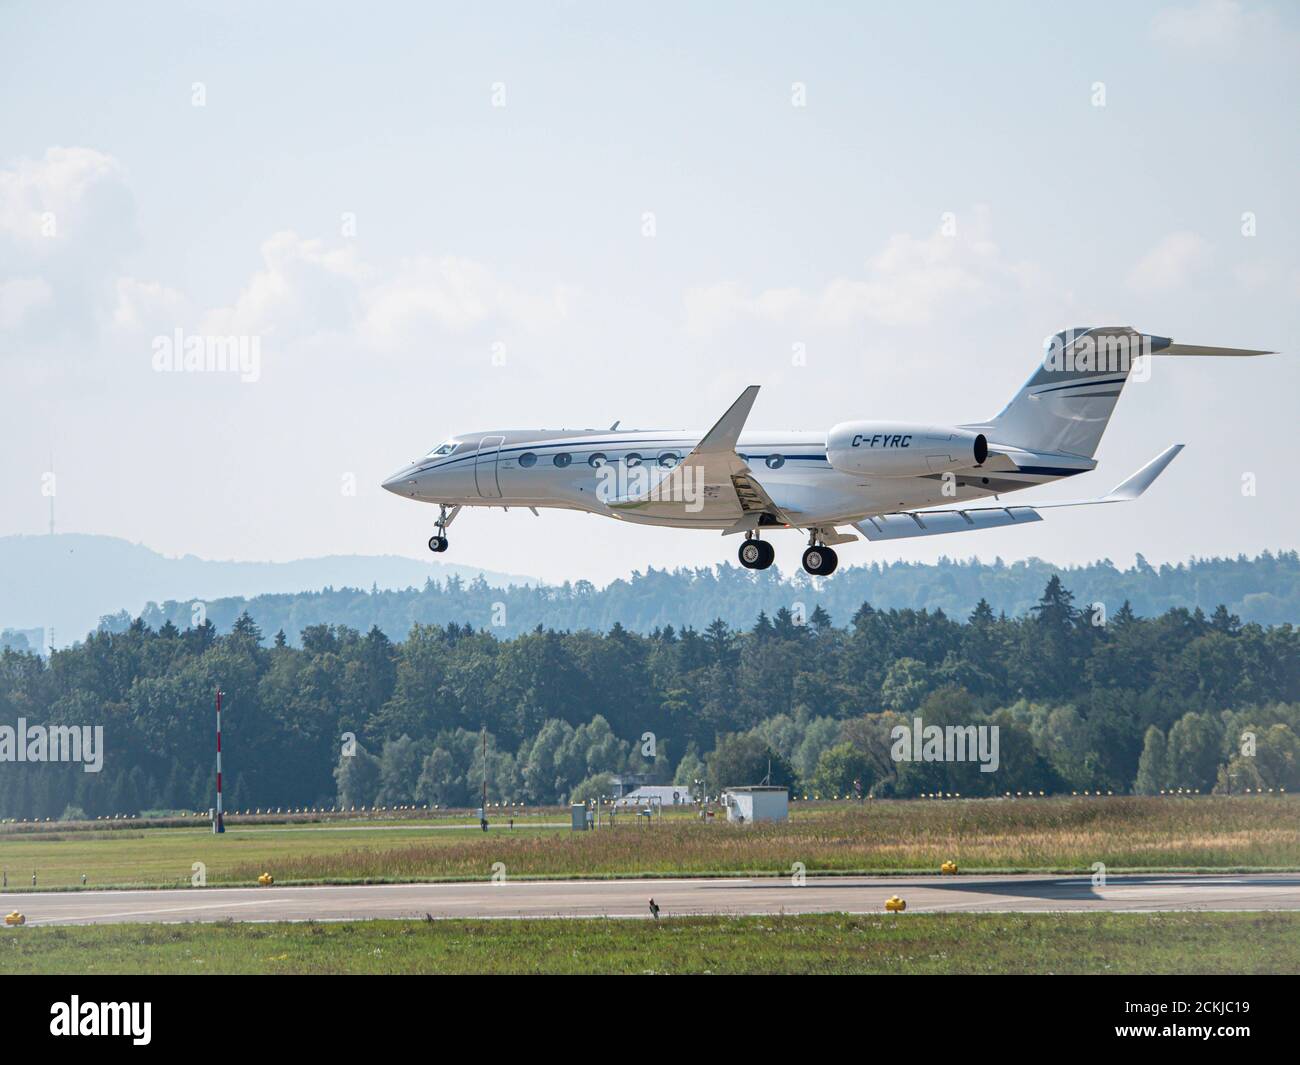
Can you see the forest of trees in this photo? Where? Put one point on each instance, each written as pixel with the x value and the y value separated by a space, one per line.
pixel 1265 589
pixel 1083 700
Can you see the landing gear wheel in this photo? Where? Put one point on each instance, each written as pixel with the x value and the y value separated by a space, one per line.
pixel 446 515
pixel 756 554
pixel 820 561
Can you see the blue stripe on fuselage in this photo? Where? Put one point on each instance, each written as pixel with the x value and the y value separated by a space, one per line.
pixel 588 444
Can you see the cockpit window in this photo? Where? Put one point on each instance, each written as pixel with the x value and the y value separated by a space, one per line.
pixel 442 449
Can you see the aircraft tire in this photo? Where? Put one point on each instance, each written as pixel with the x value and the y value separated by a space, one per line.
pixel 820 561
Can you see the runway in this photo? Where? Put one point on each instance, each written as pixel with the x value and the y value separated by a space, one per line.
pixel 675 897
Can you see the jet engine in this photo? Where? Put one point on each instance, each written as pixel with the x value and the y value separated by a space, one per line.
pixel 897 449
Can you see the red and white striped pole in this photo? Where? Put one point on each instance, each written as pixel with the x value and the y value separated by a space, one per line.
pixel 218 823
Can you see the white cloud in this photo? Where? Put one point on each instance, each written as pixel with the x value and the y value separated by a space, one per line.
pixel 1218 27
pixel 712 307
pixel 67 219
pixel 454 294
pixel 303 288
pixel 147 305
pixel 1170 264
pixel 45 202
pixel 22 296
pixel 905 284
pixel 306 289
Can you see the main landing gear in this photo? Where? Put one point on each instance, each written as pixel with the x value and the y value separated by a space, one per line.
pixel 820 561
pixel 756 554
pixel 446 515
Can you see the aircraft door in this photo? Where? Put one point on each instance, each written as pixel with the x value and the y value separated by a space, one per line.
pixel 485 467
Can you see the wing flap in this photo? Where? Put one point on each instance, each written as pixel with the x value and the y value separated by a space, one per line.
pixel 937 522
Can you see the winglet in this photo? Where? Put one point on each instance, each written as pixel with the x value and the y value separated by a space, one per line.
pixel 723 436
pixel 1135 485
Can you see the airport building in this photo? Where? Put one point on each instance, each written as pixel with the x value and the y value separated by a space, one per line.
pixel 760 802
pixel 655 795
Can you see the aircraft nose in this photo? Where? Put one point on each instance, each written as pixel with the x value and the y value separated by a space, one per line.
pixel 402 482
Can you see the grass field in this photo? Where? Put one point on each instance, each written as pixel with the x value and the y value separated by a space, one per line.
pixel 1041 835
pixel 823 943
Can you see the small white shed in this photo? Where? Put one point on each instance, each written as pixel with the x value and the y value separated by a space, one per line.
pixel 757 803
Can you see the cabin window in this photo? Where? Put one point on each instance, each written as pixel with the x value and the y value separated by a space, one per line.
pixel 775 462
pixel 597 460
pixel 633 459
pixel 527 460
pixel 562 459
pixel 669 459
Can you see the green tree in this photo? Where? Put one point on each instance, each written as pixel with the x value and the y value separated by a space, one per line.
pixel 1193 752
pixel 592 788
pixel 690 769
pixel 742 759
pixel 357 778
pixel 1153 768
pixel 838 768
pixel 907 682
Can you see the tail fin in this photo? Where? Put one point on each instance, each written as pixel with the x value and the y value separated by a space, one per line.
pixel 1066 405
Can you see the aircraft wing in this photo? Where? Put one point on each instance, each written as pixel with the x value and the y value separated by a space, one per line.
pixel 906 524
pixel 712 483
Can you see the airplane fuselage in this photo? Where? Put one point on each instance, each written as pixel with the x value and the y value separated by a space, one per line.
pixel 562 469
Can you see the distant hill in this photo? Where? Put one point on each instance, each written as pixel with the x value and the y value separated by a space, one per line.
pixel 71 580
pixel 1265 589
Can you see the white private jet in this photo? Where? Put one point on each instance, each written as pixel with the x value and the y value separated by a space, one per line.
pixel 886 480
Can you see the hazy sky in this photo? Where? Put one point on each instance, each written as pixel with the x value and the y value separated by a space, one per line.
pixel 443 218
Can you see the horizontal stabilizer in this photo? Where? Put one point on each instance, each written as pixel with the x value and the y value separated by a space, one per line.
pixel 1130 487
pixel 1199 349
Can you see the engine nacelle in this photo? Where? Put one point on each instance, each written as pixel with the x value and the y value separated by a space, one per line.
pixel 896 449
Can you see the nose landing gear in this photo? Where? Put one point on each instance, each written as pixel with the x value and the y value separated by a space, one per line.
pixel 446 515
pixel 756 554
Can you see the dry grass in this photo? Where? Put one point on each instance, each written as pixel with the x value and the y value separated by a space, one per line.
pixel 1064 835
pixel 1038 835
